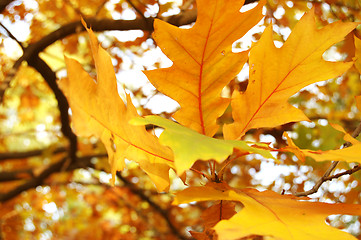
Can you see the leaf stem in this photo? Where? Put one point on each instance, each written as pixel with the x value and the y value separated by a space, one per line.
pixel 201 173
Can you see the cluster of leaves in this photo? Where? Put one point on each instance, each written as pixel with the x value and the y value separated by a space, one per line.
pixel 201 68
pixel 201 143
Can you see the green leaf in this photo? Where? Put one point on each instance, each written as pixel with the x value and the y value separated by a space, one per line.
pixel 189 146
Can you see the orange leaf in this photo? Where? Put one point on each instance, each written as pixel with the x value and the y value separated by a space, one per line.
pixel 357 53
pixel 270 214
pixel 218 212
pixel 278 73
pixel 211 216
pixel 203 62
pixel 350 154
pixel 358 102
pixel 105 115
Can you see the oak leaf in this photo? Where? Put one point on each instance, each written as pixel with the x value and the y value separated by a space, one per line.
pixel 349 154
pixel 358 102
pixel 278 73
pixel 270 214
pixel 211 216
pixel 189 146
pixel 357 53
pixel 98 110
pixel 203 61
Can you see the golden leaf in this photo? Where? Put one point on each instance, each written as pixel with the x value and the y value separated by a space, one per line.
pixel 203 61
pixel 278 73
pixel 105 115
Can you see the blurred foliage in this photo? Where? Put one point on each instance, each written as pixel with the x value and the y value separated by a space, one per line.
pixel 80 203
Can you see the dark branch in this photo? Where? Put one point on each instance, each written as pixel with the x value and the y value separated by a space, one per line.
pixel 16 175
pixel 33 153
pixel 98 25
pixel 10 35
pixel 34 182
pixel 82 162
pixel 138 11
pixel 3 4
pixel 50 78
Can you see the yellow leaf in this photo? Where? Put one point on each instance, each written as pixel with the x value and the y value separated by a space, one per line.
pixel 98 110
pixel 358 102
pixel 358 53
pixel 203 61
pixel 350 154
pixel 278 73
pixel 270 214
pixel 347 137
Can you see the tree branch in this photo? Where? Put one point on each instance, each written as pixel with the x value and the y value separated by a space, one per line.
pixel 63 106
pixel 326 176
pixel 34 182
pixel 32 153
pixel 138 11
pixel 98 25
pixel 10 35
pixel 16 175
pixel 82 162
pixel 3 4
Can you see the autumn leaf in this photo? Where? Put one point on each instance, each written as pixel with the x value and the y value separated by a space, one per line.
pixel 277 73
pixel 349 154
pixel 270 214
pixel 211 216
pixel 358 53
pixel 203 61
pixel 105 115
pixel 189 146
pixel 358 102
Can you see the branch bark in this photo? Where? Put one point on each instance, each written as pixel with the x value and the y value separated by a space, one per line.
pixel 34 182
pixel 63 106
pixel 33 153
pixel 82 163
pixel 56 167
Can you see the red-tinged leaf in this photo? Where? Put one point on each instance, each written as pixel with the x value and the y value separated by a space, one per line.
pixel 203 61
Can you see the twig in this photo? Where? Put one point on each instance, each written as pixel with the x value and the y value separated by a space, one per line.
pixel 146 20
pixel 346 172
pixel 100 7
pixel 76 9
pixel 326 176
pixel 186 5
pixel 10 35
